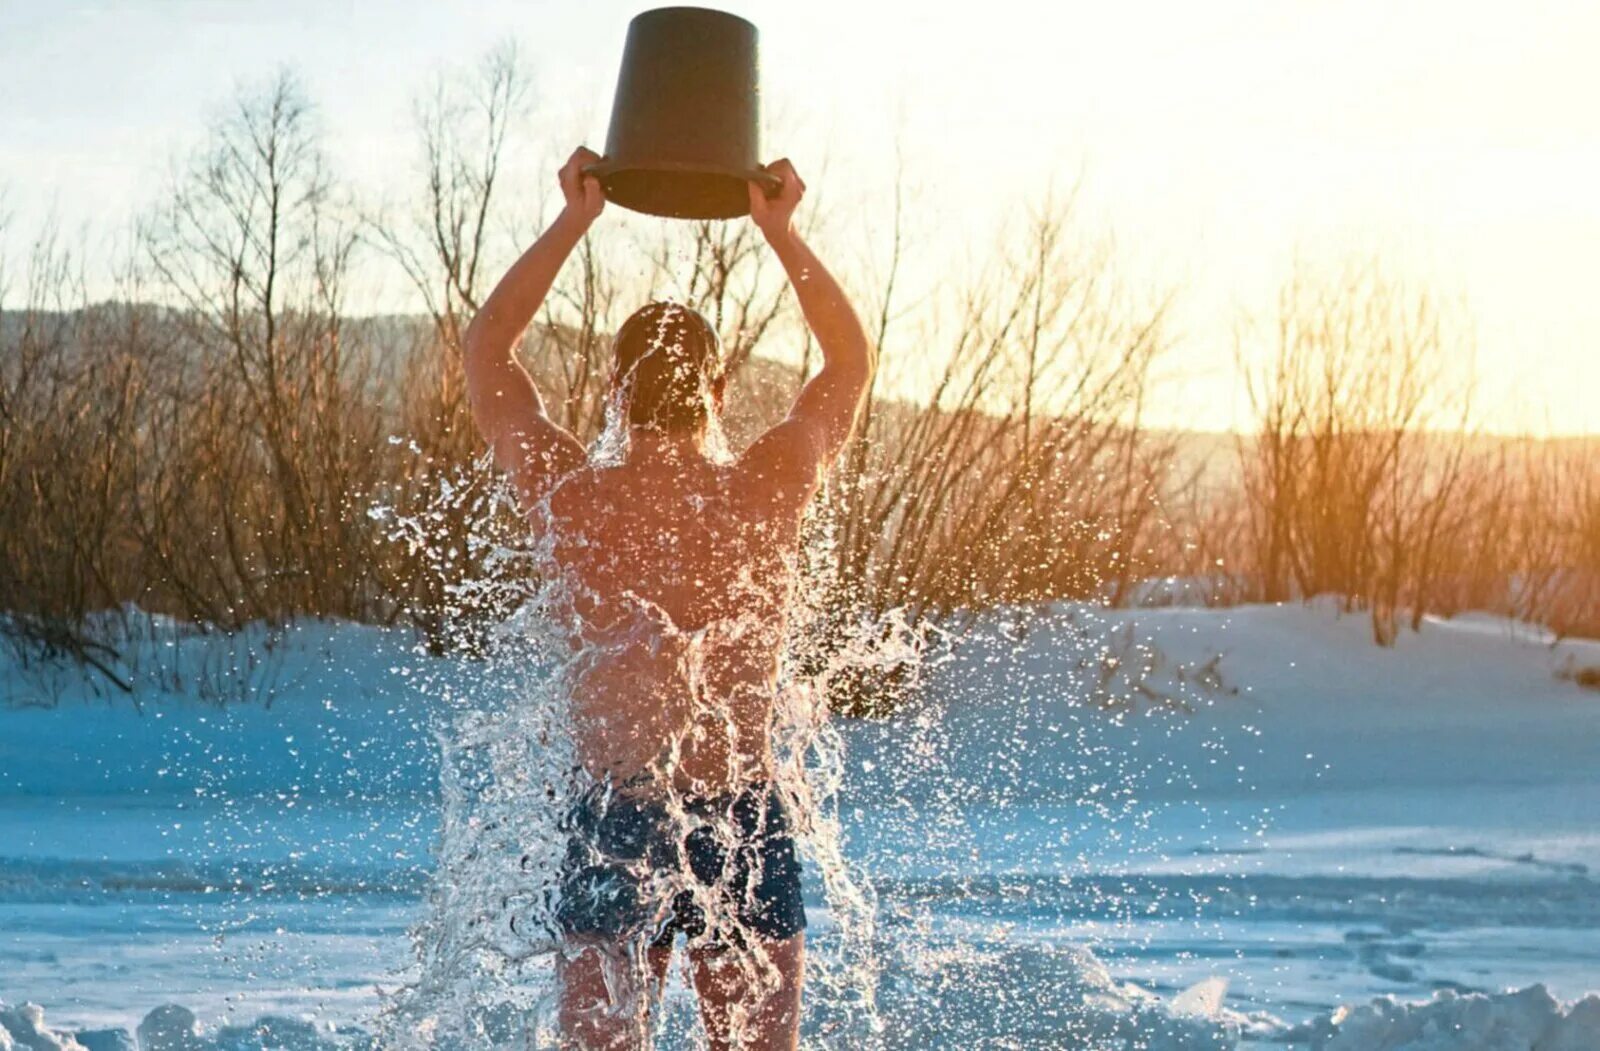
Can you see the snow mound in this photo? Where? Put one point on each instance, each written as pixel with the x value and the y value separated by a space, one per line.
pixel 1044 998
pixel 174 1028
pixel 23 1029
pixel 1528 1020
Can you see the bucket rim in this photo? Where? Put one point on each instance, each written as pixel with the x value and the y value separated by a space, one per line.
pixel 696 8
pixel 607 166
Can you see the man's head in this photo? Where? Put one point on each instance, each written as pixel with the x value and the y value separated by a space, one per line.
pixel 668 368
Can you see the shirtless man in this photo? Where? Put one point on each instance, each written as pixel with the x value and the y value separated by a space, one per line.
pixel 680 570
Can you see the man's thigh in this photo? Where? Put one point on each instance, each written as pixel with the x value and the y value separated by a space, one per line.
pixel 607 991
pixel 750 996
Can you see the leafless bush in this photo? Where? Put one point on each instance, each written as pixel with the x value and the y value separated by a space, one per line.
pixel 1560 582
pixel 72 388
pixel 1354 478
pixel 255 245
pixel 203 457
pixel 1026 476
pixel 444 241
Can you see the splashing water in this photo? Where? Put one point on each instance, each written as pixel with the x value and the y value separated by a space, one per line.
pixel 944 777
pixel 519 767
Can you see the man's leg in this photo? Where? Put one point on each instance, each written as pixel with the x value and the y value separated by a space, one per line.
pixel 741 1011
pixel 607 993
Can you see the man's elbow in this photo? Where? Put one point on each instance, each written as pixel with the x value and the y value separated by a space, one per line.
pixel 485 340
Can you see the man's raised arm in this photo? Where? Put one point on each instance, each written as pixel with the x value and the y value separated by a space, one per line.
pixel 825 413
pixel 506 405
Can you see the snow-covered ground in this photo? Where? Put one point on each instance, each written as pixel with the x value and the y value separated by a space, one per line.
pixel 1207 848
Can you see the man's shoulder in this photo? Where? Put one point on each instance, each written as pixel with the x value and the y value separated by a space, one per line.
pixel 785 461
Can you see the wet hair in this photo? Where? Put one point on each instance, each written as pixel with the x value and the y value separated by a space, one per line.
pixel 668 361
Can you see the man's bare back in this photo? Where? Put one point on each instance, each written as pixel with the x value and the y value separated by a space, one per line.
pixel 680 570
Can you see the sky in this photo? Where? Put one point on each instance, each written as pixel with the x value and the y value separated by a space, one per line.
pixel 1216 143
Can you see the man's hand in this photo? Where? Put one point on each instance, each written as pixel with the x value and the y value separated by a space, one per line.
pixel 773 215
pixel 585 199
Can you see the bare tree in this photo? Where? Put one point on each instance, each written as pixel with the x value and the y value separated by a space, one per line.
pixel 445 242
pixel 1026 475
pixel 255 244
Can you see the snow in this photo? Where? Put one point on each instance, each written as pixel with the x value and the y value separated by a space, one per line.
pixel 1253 845
pixel 1125 1017
pixel 1528 1020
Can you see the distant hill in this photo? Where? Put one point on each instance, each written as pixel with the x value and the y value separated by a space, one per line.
pixel 758 394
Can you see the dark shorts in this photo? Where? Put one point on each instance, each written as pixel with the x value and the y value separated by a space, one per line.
pixel 622 849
